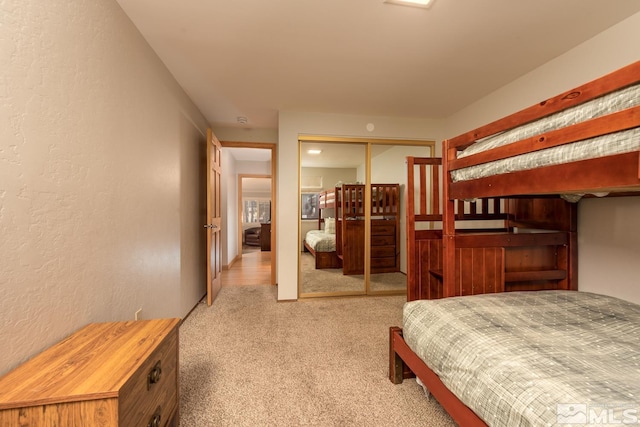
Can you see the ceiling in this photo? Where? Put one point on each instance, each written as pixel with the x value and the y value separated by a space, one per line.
pixel 331 156
pixel 254 58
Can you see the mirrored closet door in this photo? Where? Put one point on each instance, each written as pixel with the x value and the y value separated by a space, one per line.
pixel 331 219
pixel 352 196
pixel 388 260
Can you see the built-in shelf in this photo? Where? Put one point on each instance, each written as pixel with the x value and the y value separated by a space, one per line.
pixel 532 276
pixel 520 276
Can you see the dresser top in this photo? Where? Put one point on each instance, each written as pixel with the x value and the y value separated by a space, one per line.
pixel 92 363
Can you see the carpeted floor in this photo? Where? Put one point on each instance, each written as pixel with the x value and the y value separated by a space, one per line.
pixel 251 361
pixel 333 280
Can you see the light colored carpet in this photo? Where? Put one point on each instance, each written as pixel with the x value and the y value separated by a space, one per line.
pixel 332 279
pixel 251 361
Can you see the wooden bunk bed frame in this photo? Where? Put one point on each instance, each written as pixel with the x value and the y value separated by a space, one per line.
pixel 614 173
pixel 324 259
pixel 496 257
pixel 348 202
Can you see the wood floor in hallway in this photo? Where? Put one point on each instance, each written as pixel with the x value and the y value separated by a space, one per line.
pixel 253 268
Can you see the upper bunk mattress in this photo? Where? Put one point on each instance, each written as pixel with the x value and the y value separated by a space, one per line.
pixel 606 145
pixel 531 358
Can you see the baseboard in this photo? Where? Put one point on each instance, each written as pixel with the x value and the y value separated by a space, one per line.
pixel 200 301
pixel 233 261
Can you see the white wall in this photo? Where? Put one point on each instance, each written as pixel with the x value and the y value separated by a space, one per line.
pixel 390 167
pixel 609 245
pixel 100 153
pixel 247 135
pixel 292 124
pixel 229 207
pixel 602 268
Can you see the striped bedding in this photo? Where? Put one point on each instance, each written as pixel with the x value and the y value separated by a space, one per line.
pixel 606 145
pixel 541 358
pixel 321 241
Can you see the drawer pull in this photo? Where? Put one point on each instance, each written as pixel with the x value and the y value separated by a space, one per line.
pixel 154 375
pixel 155 418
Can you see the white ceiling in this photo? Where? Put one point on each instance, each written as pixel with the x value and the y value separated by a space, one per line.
pixel 254 58
pixel 249 154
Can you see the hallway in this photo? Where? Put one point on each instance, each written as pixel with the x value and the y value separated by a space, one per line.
pixel 253 268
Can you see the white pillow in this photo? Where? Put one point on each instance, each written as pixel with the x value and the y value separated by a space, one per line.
pixel 330 225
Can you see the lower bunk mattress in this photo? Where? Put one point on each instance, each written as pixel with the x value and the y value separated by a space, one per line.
pixel 320 241
pixel 539 358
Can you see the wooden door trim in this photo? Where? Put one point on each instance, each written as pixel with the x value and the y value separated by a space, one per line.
pixel 273 148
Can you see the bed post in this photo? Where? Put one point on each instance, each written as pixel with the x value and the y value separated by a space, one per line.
pixel 448 226
pixel 396 365
pixel 572 267
pixel 412 293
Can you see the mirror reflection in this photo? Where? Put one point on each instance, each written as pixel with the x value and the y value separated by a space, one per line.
pixel 332 204
pixel 332 260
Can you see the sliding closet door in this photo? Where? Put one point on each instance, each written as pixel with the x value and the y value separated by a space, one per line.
pixel 332 226
pixel 388 263
pixel 354 188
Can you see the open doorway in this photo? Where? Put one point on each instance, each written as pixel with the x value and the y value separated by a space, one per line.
pixel 254 224
pixel 249 206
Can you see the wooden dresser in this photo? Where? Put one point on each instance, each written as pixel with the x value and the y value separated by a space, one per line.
pixel 385 253
pixel 265 236
pixel 105 374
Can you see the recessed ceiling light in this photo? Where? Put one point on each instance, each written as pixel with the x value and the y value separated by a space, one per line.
pixel 414 3
pixel 314 151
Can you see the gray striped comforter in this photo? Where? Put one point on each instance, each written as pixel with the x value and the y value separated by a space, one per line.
pixel 606 145
pixel 321 241
pixel 541 358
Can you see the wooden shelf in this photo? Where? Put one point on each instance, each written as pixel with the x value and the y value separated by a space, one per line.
pixel 520 276
pixel 532 276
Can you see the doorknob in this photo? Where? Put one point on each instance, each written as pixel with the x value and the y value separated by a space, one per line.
pixel 211 226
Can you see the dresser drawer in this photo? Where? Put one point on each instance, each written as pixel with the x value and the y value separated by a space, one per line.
pixel 152 389
pixel 383 229
pixel 383 240
pixel 383 262
pixel 383 251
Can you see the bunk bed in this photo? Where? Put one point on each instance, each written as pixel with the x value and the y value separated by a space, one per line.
pixel 583 142
pixel 345 204
pixel 321 243
pixel 506 244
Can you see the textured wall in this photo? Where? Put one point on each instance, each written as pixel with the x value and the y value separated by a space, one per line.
pixel 91 173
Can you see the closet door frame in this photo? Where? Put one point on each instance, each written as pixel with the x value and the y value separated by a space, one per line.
pixel 428 144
